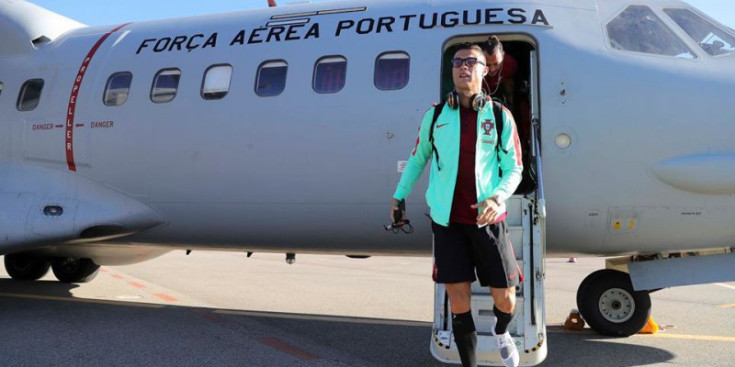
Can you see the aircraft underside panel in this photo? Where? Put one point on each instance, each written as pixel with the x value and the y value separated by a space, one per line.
pixel 699 269
pixel 528 327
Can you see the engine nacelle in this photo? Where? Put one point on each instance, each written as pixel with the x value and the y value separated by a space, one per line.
pixel 41 207
pixel 25 26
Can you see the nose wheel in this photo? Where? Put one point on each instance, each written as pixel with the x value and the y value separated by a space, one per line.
pixel 609 304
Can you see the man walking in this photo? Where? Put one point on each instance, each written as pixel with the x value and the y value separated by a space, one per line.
pixel 467 195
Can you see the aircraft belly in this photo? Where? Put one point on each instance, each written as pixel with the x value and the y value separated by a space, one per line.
pixel 577 233
pixel 661 229
pixel 299 227
pixel 111 254
pixel 620 230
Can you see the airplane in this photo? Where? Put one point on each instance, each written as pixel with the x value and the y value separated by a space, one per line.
pixel 285 129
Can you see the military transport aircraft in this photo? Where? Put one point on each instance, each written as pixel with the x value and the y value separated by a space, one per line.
pixel 285 129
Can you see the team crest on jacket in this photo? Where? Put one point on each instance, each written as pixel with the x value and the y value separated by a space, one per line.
pixel 488 126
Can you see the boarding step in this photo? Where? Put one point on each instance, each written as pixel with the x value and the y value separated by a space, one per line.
pixel 482 313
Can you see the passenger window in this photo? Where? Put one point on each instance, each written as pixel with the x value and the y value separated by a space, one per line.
pixel 118 88
pixel 638 29
pixel 30 95
pixel 216 83
pixel 330 74
pixel 271 78
pixel 165 85
pixel 711 38
pixel 392 70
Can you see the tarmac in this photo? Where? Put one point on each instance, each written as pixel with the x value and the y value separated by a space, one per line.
pixel 224 309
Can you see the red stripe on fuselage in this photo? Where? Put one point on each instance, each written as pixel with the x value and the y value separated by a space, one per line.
pixel 71 110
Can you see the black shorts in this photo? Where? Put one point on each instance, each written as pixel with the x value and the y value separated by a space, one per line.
pixel 460 250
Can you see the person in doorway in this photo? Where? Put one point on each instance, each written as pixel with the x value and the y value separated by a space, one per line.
pixel 500 82
pixel 467 195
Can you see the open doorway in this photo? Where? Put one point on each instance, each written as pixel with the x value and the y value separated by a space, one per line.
pixel 515 89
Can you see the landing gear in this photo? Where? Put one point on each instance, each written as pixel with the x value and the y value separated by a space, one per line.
pixel 22 266
pixel 71 270
pixel 609 304
pixel 26 267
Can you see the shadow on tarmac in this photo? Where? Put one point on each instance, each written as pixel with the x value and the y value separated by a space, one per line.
pixel 591 349
pixel 37 329
pixel 38 289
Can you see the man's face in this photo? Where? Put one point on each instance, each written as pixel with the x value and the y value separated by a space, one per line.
pixel 469 78
pixel 495 62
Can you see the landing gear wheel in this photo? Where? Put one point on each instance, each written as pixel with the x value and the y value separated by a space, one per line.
pixel 26 267
pixel 71 270
pixel 609 304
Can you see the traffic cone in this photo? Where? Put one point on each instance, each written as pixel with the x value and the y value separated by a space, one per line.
pixel 651 327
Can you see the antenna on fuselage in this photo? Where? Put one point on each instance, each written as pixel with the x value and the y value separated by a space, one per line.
pixel 272 3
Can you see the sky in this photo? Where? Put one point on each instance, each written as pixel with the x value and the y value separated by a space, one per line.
pixel 95 12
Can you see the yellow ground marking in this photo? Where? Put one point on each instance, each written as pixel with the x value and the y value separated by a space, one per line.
pixel 728 286
pixel 661 334
pixel 80 300
pixel 708 338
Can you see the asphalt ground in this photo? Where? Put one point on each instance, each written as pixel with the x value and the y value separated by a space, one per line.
pixel 223 309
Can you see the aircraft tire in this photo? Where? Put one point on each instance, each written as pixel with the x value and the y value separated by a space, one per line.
pixel 26 267
pixel 71 270
pixel 609 304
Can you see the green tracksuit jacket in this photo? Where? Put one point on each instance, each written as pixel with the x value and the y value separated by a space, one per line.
pixel 442 181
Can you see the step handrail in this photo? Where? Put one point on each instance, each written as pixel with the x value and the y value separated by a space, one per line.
pixel 536 152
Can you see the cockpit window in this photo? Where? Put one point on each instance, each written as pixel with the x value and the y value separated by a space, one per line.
pixel 638 29
pixel 711 38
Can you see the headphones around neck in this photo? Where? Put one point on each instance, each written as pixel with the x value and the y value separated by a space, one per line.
pixel 478 100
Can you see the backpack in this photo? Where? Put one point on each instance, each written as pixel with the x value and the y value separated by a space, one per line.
pixel 497 112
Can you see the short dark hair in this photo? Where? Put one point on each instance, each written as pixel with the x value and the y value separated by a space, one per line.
pixel 493 45
pixel 468 46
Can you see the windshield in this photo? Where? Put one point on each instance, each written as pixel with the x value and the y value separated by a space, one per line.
pixel 638 29
pixel 713 39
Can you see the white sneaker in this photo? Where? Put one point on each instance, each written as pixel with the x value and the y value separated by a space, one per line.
pixel 508 350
